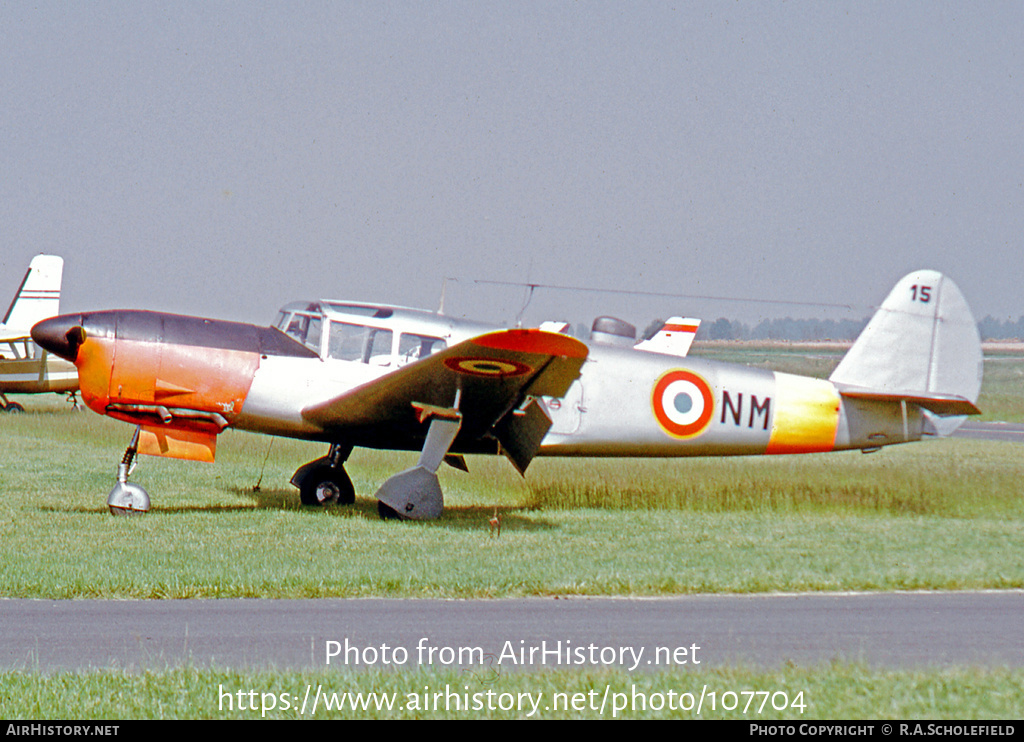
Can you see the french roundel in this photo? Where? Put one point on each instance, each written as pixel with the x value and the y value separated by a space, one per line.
pixel 486 366
pixel 683 403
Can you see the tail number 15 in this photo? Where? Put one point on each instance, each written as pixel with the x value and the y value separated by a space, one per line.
pixel 922 294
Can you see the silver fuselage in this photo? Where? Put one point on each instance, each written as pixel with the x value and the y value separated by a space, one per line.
pixel 626 402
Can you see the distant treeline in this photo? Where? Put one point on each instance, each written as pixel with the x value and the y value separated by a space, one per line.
pixel 808 330
pixel 781 329
pixel 788 328
pixel 993 329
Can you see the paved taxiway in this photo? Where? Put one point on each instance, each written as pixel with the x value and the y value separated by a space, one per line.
pixel 880 629
pixel 991 431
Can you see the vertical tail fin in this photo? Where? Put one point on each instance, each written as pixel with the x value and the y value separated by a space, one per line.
pixel 38 297
pixel 922 344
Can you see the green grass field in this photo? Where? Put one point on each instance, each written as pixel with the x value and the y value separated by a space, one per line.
pixel 937 515
pixel 931 515
pixel 941 514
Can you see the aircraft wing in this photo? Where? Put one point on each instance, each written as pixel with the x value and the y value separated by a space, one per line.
pixel 9 336
pixel 487 383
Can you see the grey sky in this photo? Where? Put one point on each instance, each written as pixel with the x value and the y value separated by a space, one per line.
pixel 222 159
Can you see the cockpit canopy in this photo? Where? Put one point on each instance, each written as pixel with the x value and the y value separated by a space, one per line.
pixel 364 333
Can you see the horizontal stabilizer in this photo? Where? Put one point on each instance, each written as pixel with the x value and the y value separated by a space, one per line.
pixel 940 404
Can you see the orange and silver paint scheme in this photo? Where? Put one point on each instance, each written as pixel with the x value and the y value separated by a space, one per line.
pixel 183 379
pixel 387 377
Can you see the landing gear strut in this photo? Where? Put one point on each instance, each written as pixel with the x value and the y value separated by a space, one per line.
pixel 325 481
pixel 72 398
pixel 127 498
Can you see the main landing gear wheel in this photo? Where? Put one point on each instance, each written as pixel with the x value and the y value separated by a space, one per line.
pixel 327 485
pixel 7 405
pixel 386 512
pixel 324 481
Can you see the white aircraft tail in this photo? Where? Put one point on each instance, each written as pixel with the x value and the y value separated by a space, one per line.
pixel 674 338
pixel 38 297
pixel 921 346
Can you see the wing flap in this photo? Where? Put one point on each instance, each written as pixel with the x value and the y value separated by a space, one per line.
pixel 192 445
pixel 520 434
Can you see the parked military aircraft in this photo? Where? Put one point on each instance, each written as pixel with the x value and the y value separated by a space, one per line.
pixel 387 377
pixel 24 367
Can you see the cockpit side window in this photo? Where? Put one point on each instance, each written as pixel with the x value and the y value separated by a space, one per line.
pixel 414 347
pixel 313 334
pixel 305 328
pixel 359 343
pixel 297 327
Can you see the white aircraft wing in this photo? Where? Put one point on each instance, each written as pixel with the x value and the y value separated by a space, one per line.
pixel 10 336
